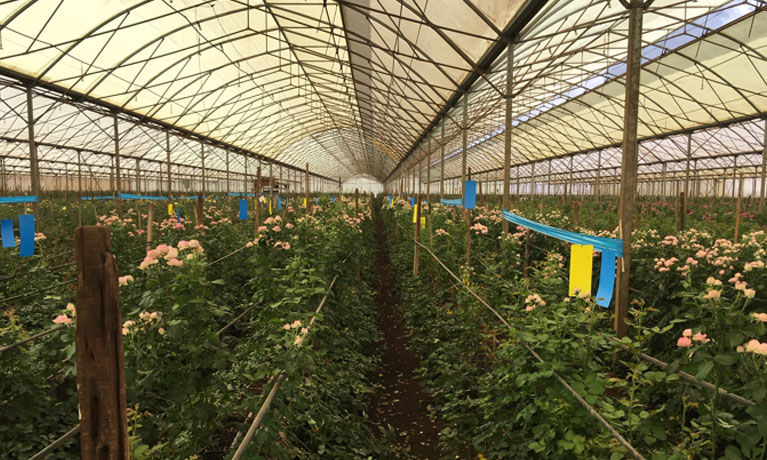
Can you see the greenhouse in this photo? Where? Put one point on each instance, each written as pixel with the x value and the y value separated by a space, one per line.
pixel 383 229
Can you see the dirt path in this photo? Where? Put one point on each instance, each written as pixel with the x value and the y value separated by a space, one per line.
pixel 399 410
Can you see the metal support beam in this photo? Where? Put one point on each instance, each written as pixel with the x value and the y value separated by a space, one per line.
pixel 598 190
pixel 442 163
pixel 764 168
pixel 202 161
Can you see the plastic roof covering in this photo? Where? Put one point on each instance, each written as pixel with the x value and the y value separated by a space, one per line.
pixel 704 68
pixel 350 85
pixel 345 85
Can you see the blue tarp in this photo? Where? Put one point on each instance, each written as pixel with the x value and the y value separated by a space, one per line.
pixel 6 233
pixel 26 235
pixel 18 199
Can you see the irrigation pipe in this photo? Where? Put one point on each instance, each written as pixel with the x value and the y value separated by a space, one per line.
pixel 238 455
pixel 690 378
pixel 56 444
pixel 567 386
pixel 31 338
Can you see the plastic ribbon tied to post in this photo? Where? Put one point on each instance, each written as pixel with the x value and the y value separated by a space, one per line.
pixel 18 199
pixel 104 197
pixel 130 196
pixel 455 202
pixel 610 248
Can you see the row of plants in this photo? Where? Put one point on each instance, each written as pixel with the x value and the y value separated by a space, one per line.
pixel 698 305
pixel 193 379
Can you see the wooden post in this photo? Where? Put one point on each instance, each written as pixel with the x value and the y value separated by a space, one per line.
pixel 629 162
pixel 442 162
pixel 200 210
pixel 764 168
pixel 34 172
pixel 99 349
pixel 118 172
pixel 202 161
pixel 681 211
pixel 417 235
pixel 576 213
pixel 467 213
pixel 257 192
pixel 506 198
pixel 272 206
pixel 150 225
pixel 167 152
pixel 308 205
pixel 79 189
pixel 738 209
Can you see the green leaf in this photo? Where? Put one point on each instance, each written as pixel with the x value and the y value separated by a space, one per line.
pixel 704 370
pixel 726 359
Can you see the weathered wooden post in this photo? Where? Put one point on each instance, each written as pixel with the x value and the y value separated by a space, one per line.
pixel 306 198
pixel 681 211
pixel 417 251
pixel 257 192
pixel 150 225
pixel 356 202
pixel 99 349
pixel 737 208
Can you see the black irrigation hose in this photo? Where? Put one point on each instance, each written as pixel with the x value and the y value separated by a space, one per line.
pixel 31 338
pixel 38 291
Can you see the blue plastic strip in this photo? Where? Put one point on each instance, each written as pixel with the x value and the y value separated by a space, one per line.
pixel 455 202
pixel 389 200
pixel 332 198
pixel 606 279
pixel 26 235
pixel 18 199
pixel 178 215
pixel 243 209
pixel 193 197
pixel 130 196
pixel 279 203
pixel 6 233
pixel 599 243
pixel 241 194
pixel 470 194
pixel 105 197
pixel 412 201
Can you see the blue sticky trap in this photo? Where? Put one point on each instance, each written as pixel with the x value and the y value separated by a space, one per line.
pixel 332 199
pixel 389 200
pixel 243 209
pixel 178 215
pixel 26 235
pixel 606 279
pixel 316 200
pixel 470 200
pixel 6 233
pixel 279 203
pixel 412 201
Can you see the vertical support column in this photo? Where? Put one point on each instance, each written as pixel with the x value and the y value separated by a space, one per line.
pixel 663 183
pixel 2 173
pixel 570 179
pixel 272 206
pixel 202 161
pixel 33 169
pixel 734 175
pixel 138 175
pixel 167 159
pixel 79 188
pixel 416 254
pixel 308 205
pixel 599 174
pixel 442 163
pixel 516 192
pixel 507 133
pixel 227 173
pixel 428 171
pixel 532 180
pixel 257 193
pixel 683 209
pixel 764 168
pixel 548 180
pixel 629 162
pixel 99 349
pixel 464 142
pixel 118 173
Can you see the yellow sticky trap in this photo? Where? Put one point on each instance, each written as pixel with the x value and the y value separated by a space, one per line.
pixel 270 206
pixel 170 209
pixel 423 223
pixel 581 261
pixel 304 202
pixel 415 212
